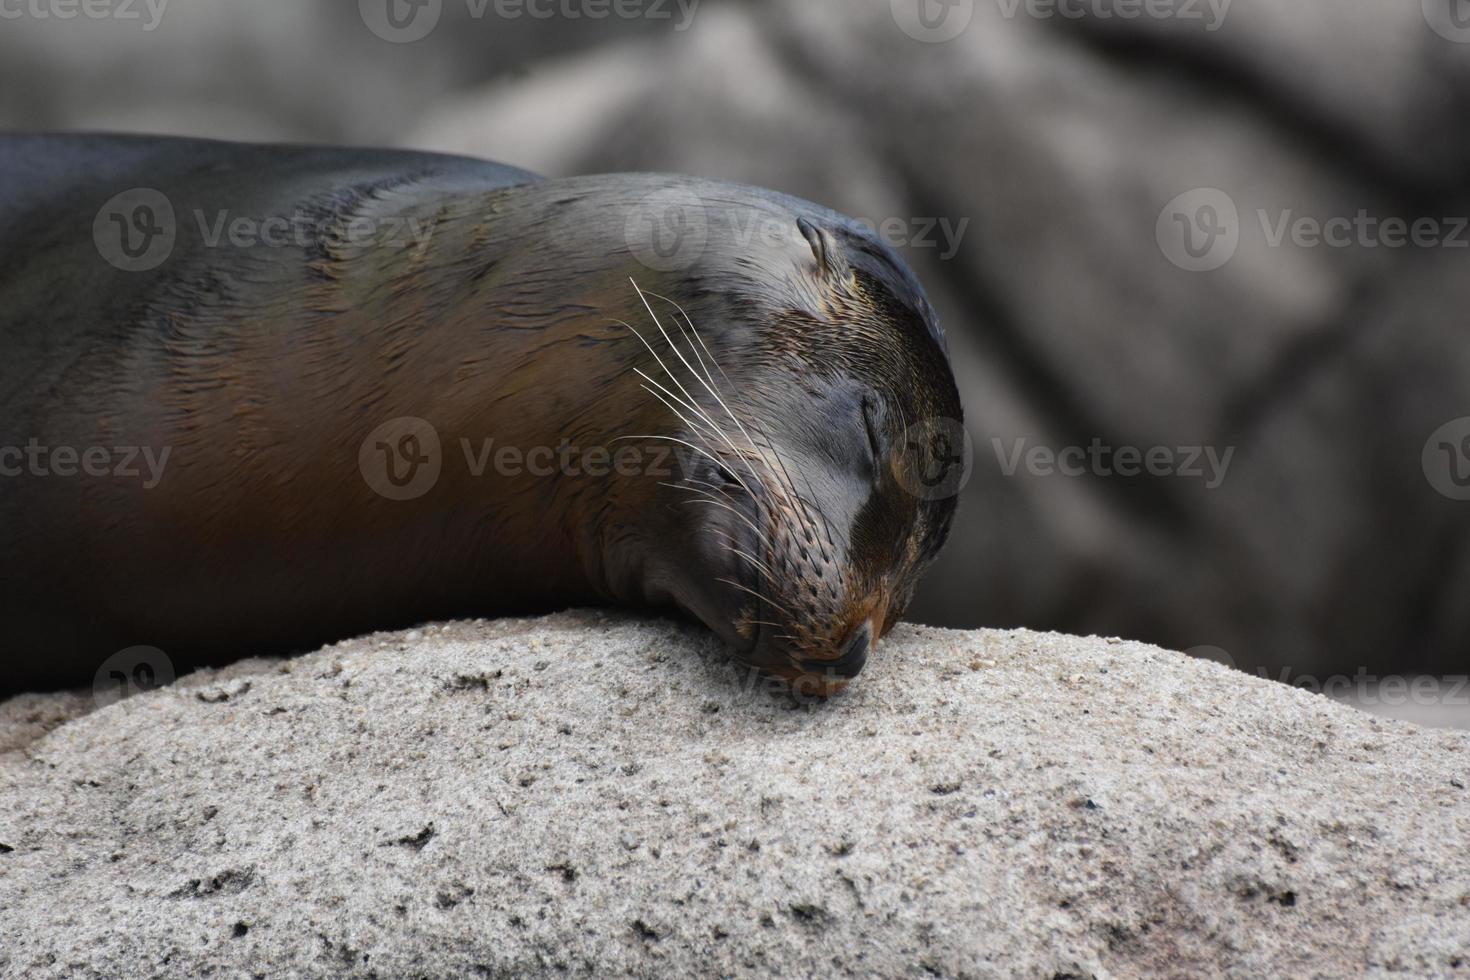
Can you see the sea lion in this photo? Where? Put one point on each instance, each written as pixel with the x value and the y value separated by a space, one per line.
pixel 259 398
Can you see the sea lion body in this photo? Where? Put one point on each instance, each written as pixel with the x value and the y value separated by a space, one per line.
pixel 310 304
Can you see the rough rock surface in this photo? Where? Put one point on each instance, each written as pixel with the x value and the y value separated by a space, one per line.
pixel 602 795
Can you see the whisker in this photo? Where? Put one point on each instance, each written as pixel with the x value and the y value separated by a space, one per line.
pixel 769 443
pixel 742 588
pixel 682 418
pixel 789 489
pixel 688 400
pixel 672 377
pixel 751 558
pixel 706 498
pixel 673 439
pixel 704 417
pixel 685 361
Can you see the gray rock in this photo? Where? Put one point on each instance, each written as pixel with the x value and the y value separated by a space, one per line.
pixel 600 795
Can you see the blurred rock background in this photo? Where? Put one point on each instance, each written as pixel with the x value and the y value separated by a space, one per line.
pixel 1040 163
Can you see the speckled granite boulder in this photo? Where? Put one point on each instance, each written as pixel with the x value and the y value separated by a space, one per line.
pixel 598 795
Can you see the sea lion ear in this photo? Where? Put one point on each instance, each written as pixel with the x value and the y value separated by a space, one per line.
pixel 824 249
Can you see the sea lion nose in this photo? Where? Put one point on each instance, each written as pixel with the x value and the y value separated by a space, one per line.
pixel 854 653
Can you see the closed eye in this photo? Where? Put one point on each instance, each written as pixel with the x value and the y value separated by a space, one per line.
pixel 875 432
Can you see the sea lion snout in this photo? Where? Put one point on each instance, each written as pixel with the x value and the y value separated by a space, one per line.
pixel 853 658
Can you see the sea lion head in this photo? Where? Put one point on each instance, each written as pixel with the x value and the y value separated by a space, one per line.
pixel 805 381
